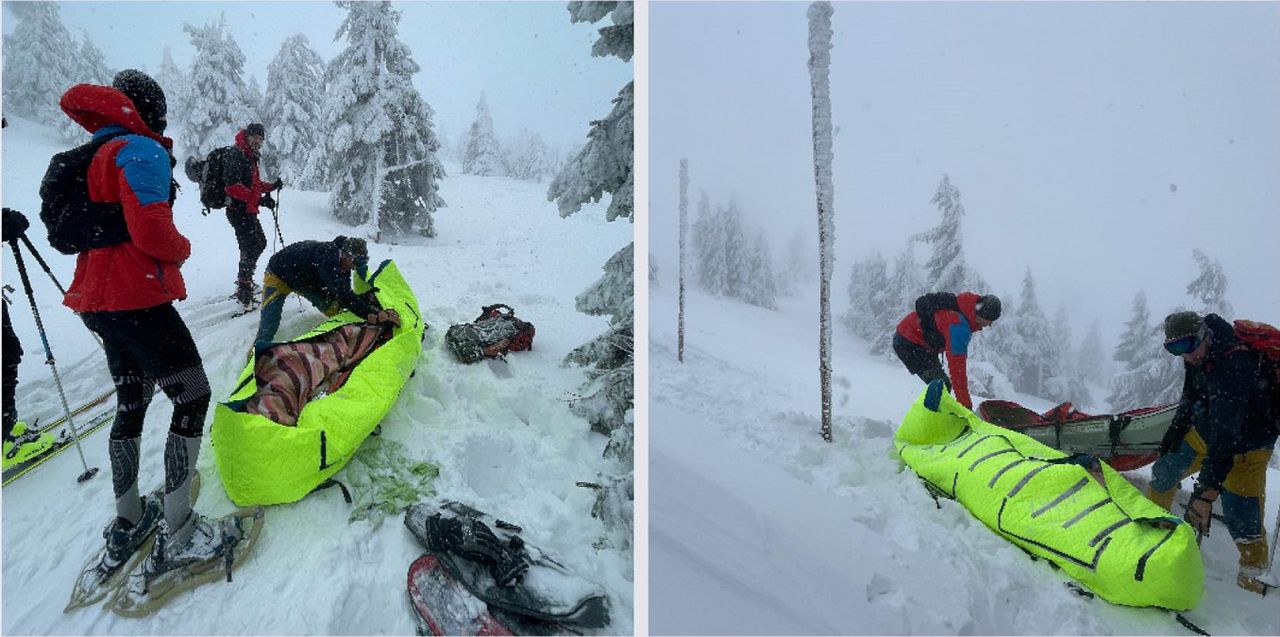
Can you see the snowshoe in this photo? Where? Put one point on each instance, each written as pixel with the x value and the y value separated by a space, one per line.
pixel 123 551
pixel 444 606
pixel 215 548
pixel 491 560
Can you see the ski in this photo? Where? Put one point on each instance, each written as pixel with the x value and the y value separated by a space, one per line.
pixel 64 442
pixel 139 597
pixel 95 583
pixel 77 411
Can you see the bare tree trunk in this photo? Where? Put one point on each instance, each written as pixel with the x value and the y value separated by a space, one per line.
pixel 684 216
pixel 820 88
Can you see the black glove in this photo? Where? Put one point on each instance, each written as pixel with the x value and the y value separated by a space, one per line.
pixel 267 202
pixel 279 183
pixel 15 224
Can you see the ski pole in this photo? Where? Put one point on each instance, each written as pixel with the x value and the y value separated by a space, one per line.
pixel 45 266
pixel 57 380
pixel 275 218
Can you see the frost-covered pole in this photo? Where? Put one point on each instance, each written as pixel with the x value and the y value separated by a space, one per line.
pixel 684 217
pixel 820 88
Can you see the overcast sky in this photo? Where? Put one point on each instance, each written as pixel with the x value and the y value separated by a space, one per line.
pixel 1097 143
pixel 535 66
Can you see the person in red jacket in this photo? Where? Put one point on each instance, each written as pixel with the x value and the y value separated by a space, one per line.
pixel 124 293
pixel 246 192
pixel 943 323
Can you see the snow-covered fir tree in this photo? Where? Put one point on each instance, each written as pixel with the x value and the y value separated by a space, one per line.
pixel 606 164
pixel 869 297
pixel 736 251
pixel 253 96
pixel 174 82
pixel 904 285
pixel 946 269
pixel 708 247
pixel 91 68
pixel 216 102
pixel 761 282
pixel 483 154
pixel 291 112
pixel 40 62
pixel 1091 361
pixel 1208 291
pixel 1144 379
pixel 529 157
pixel 1038 357
pixel 1068 384
pixel 383 168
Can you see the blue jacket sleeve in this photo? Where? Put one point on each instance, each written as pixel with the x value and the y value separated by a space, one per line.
pixel 146 169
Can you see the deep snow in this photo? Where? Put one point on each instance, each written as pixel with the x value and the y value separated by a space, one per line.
pixel 758 527
pixel 508 445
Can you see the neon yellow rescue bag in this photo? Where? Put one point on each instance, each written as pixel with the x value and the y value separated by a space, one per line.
pixel 1079 514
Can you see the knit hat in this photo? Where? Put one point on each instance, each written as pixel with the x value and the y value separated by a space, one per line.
pixel 146 95
pixel 988 307
pixel 255 129
pixel 1182 324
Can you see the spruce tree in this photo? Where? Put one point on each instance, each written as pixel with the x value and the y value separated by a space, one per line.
pixel 761 285
pixel 91 68
pixel 216 103
pixel 1090 359
pixel 383 168
pixel 1209 289
pixel 529 157
pixel 946 268
pixel 1038 352
pixel 483 154
pixel 684 230
pixel 605 164
pixel 174 82
pixel 40 63
pixel 294 150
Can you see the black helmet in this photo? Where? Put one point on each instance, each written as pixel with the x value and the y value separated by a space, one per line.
pixel 146 95
pixel 988 307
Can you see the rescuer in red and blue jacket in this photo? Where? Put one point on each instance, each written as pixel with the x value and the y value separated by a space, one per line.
pixel 943 323
pixel 124 293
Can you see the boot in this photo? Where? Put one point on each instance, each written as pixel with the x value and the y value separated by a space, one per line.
pixel 1253 565
pixel 246 291
pixel 123 538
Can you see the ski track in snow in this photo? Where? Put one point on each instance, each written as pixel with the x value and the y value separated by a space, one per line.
pixel 759 527
pixel 508 445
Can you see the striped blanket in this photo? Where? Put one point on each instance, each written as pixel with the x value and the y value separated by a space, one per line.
pixel 289 375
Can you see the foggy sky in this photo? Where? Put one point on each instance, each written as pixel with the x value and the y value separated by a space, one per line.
pixel 1097 143
pixel 534 65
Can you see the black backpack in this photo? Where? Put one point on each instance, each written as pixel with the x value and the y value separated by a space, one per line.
pixel 211 174
pixel 75 223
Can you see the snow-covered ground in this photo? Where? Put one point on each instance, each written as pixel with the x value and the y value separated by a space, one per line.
pixel 507 445
pixel 759 527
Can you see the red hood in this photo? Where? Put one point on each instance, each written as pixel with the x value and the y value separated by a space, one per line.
pixel 242 142
pixel 968 302
pixel 95 107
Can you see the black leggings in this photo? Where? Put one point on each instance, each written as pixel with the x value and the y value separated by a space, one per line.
pixel 919 361
pixel 12 357
pixel 251 239
pixel 148 347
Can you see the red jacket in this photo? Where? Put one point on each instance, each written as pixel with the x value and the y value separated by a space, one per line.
pixel 956 328
pixel 248 193
pixel 135 171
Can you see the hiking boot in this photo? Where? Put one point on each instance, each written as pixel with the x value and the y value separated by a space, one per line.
pixel 1253 565
pixel 124 538
pixel 204 547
